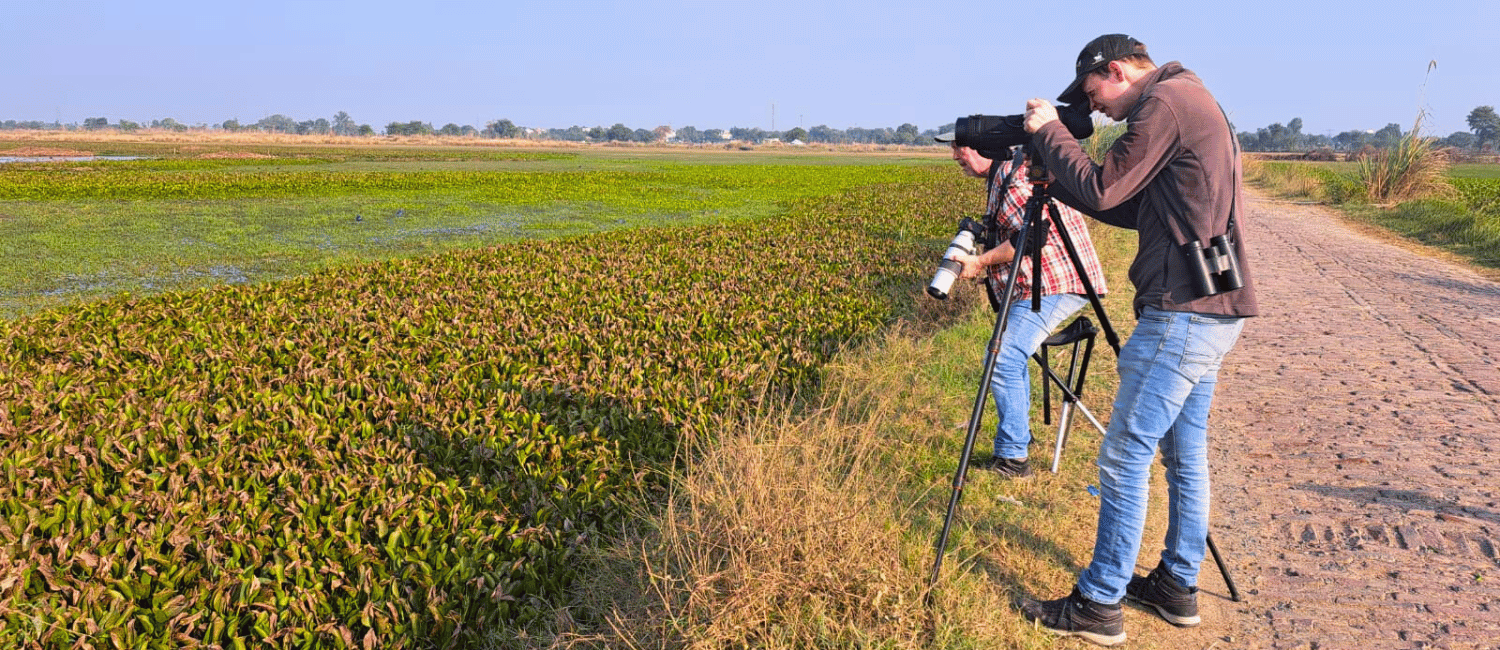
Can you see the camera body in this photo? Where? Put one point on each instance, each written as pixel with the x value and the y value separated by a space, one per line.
pixel 969 232
pixel 1215 269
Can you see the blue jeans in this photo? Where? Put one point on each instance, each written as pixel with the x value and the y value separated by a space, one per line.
pixel 1010 382
pixel 1168 370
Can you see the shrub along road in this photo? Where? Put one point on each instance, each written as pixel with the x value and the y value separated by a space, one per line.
pixel 1355 446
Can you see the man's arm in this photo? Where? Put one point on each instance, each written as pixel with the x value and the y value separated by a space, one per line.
pixel 1120 216
pixel 974 265
pixel 1131 163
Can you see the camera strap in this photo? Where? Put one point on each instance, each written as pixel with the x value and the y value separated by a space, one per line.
pixel 992 212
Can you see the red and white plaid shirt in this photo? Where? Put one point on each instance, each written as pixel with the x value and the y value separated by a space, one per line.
pixel 1058 273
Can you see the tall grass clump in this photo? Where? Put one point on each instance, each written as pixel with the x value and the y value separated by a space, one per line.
pixel 1412 168
pixel 781 535
pixel 1105 134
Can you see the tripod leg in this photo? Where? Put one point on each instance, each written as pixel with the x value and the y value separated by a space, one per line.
pixel 1083 275
pixel 1234 594
pixel 992 355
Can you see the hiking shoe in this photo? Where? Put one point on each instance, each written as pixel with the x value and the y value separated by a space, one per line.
pixel 1163 593
pixel 1007 467
pixel 1078 616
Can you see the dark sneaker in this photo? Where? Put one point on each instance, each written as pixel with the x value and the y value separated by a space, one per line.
pixel 1163 593
pixel 1008 467
pixel 1078 616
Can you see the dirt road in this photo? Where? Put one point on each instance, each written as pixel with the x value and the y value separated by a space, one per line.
pixel 1355 447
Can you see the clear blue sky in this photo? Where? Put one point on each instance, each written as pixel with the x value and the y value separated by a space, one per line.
pixel 645 63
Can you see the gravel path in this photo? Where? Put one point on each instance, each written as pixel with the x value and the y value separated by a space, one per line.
pixel 1355 445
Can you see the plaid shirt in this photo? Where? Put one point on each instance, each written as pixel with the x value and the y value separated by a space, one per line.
pixel 1058 273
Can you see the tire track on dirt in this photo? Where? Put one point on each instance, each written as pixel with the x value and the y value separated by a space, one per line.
pixel 1356 431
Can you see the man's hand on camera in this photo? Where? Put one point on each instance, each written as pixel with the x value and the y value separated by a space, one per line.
pixel 1038 113
pixel 973 267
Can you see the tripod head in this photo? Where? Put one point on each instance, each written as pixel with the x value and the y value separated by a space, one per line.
pixel 1036 167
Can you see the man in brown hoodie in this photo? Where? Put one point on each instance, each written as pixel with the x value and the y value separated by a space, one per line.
pixel 1174 177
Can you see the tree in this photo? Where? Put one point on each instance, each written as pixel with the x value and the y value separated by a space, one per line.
pixel 95 123
pixel 1351 140
pixel 1387 137
pixel 343 124
pixel 689 134
pixel 1485 124
pixel 1461 140
pixel 503 129
pixel 451 129
pixel 794 134
pixel 414 127
pixel 752 134
pixel 277 124
pixel 905 134
pixel 319 126
pixel 573 133
pixel 825 133
pixel 619 133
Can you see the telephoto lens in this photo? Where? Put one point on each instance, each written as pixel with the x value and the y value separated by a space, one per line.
pixel 949 269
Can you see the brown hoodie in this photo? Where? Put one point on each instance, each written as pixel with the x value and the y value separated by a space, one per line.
pixel 1173 175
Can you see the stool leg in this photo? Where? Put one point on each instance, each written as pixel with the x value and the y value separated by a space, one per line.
pixel 1063 420
pixel 1075 385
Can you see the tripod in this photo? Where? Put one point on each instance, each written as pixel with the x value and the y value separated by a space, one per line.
pixel 1032 237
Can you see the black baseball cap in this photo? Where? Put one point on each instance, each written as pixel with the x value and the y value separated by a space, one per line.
pixel 1097 54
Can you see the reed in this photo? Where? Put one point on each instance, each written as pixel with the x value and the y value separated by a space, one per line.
pixel 1413 167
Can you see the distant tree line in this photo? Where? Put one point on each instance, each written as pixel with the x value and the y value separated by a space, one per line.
pixel 343 125
pixel 1483 134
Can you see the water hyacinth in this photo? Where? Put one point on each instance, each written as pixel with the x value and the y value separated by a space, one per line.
pixel 405 453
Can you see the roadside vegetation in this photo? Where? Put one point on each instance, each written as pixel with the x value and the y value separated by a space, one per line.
pixel 1412 188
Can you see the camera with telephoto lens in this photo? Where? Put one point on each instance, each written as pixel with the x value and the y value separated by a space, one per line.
pixel 969 232
pixel 989 133
pixel 1215 269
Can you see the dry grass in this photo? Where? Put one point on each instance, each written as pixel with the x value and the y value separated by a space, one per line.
pixel 787 532
pixel 1284 181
